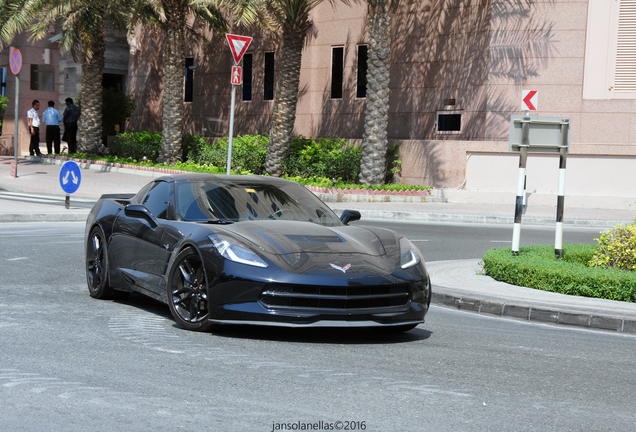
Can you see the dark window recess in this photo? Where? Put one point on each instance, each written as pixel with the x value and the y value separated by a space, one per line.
pixel 337 69
pixel 361 86
pixel 189 80
pixel 449 122
pixel 42 77
pixel 157 199
pixel 268 85
pixel 247 77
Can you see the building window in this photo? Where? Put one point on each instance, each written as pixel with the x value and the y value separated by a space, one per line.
pixel 449 122
pixel 361 85
pixel 42 77
pixel 3 81
pixel 247 77
pixel 610 59
pixel 188 91
pixel 268 82
pixel 337 70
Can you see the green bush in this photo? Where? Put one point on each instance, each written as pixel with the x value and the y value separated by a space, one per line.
pixel 617 248
pixel 537 267
pixel 137 145
pixel 4 101
pixel 333 158
pixel 191 146
pixel 248 153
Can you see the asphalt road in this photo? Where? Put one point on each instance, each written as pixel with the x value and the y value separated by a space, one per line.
pixel 448 241
pixel 72 363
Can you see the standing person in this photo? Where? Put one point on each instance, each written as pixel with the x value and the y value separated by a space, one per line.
pixel 52 118
pixel 71 115
pixel 34 128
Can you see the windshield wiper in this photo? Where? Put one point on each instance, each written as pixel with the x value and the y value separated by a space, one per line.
pixel 219 222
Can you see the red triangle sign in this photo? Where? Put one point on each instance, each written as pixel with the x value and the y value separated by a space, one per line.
pixel 238 45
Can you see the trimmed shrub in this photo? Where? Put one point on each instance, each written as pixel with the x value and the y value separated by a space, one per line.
pixel 537 267
pixel 333 158
pixel 248 153
pixel 137 145
pixel 617 248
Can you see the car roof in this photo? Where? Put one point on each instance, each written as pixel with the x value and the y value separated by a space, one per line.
pixel 227 179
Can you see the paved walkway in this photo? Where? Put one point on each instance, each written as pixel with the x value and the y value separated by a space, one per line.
pixel 36 195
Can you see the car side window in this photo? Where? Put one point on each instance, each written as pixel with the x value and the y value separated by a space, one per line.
pixel 158 199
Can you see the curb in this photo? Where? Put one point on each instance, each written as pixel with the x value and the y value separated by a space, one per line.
pixel 475 218
pixel 44 217
pixel 536 314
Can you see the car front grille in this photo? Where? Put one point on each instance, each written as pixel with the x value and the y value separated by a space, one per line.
pixel 335 297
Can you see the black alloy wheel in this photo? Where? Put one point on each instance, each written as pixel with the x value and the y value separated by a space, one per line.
pixel 97 267
pixel 187 292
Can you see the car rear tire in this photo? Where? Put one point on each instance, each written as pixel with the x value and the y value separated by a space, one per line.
pixel 97 268
pixel 187 292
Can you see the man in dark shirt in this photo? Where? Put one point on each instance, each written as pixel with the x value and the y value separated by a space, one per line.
pixel 71 115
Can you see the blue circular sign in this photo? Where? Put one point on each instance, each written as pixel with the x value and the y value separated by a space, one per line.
pixel 15 60
pixel 70 177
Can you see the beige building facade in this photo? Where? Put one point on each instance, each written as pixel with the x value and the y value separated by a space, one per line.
pixel 458 69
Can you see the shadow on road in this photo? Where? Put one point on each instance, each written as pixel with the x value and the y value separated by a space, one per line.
pixel 345 336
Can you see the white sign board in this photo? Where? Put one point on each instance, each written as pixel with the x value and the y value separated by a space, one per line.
pixel 529 100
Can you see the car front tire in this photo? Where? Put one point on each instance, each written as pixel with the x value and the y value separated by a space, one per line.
pixel 187 292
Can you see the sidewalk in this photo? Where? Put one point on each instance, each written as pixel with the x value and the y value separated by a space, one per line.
pixel 36 195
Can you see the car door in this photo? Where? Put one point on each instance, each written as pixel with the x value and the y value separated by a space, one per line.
pixel 136 243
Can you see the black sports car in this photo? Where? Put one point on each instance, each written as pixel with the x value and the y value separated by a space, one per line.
pixel 252 250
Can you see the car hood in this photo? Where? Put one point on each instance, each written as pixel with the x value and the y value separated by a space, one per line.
pixel 291 237
pixel 329 254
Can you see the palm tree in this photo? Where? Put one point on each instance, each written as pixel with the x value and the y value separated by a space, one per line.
pixel 292 17
pixel 82 34
pixel 173 19
pixel 376 115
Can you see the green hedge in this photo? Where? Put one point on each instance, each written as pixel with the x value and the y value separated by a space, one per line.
pixel 136 145
pixel 332 158
pixel 537 267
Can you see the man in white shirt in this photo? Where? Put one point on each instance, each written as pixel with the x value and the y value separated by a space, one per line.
pixel 52 118
pixel 34 127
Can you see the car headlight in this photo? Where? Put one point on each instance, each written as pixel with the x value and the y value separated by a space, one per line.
pixel 234 250
pixel 409 254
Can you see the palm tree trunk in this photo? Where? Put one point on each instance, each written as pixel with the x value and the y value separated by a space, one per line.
pixel 173 76
pixel 90 123
pixel 284 114
pixel 376 116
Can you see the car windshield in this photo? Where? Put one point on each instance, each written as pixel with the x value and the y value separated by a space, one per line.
pixel 235 202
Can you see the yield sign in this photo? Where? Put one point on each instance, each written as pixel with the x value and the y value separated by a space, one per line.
pixel 238 45
pixel 15 59
pixel 529 100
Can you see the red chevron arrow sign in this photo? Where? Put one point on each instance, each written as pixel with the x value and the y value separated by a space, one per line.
pixel 238 45
pixel 529 100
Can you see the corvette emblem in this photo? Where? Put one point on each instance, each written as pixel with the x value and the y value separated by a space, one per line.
pixel 342 269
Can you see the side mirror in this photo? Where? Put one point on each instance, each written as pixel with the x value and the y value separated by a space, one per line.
pixel 349 216
pixel 141 212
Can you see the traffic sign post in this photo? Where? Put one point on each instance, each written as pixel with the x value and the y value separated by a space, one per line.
pixel 539 134
pixel 70 179
pixel 238 46
pixel 15 60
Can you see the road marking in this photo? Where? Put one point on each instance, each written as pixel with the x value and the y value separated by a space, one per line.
pixel 16 259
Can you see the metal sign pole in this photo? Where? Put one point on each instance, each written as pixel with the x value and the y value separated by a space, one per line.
pixel 15 135
pixel 229 146
pixel 523 158
pixel 563 152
